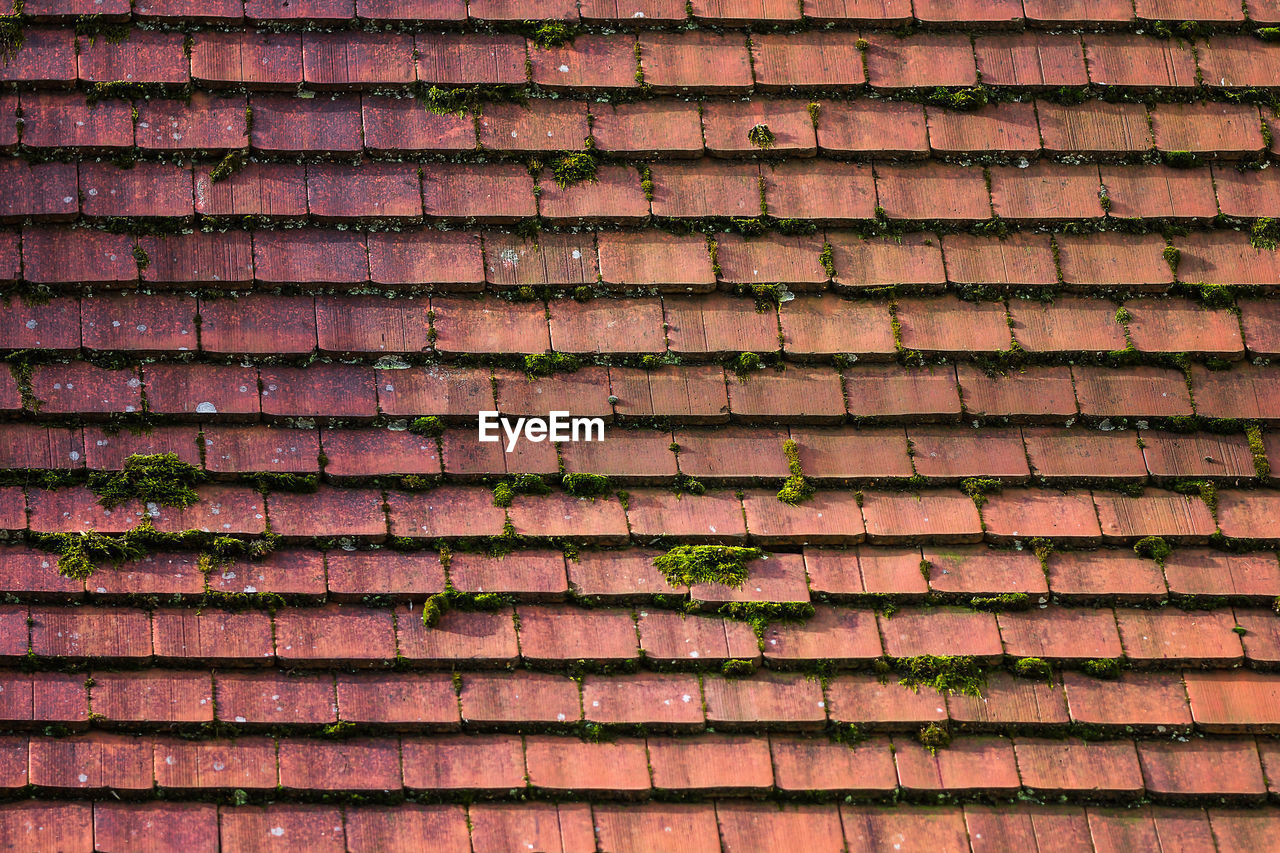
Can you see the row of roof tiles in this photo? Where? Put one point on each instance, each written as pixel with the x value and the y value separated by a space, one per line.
pixel 456 261
pixel 663 61
pixel 687 394
pixel 380 124
pixel 860 575
pixel 662 12
pixel 1225 770
pixel 636 456
pixel 803 328
pixel 807 189
pixel 707 827
pixel 884 517
pixel 559 636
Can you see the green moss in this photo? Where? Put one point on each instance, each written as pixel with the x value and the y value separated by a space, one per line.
pixel 1172 257
pixel 934 737
pixel 125 89
pixel 1265 233
pixel 1261 465
pixel 230 164
pixel 815 112
pixel 761 136
pixel 573 167
pixel 797 487
pixel 1123 317
pixel 979 487
pixel 686 565
pixel 684 484
pixel 275 482
pixel 972 98
pixel 80 553
pixel 746 363
pixel 946 674
pixel 760 614
pixel 434 608
pixel 549 34
pixel 12 37
pixel 586 485
pixel 1181 159
pixel 518 484
pixel 548 363
pixel 160 478
pixel 1035 668
pixel 1268 33
pixel 1102 668
pixel 429 425
pixel 737 668
pixel 1000 603
pixel 94 27
pixel 1153 548
pixel 828 260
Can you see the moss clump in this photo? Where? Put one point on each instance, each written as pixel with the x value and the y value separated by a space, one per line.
pixel 979 487
pixel 686 565
pixel 519 484
pixel 961 99
pixel 1265 233
pixel 1036 668
pixel 549 34
pixel 759 614
pixel 935 737
pixel 1002 602
pixel 270 481
pixel 746 363
pixel 573 167
pixel 230 164
pixel 1172 257
pixel 429 425
pixel 434 608
pixel 449 102
pixel 1153 548
pixel 80 553
pixel 1261 465
pixel 946 674
pixel 1268 33
pixel 761 136
pixel 1102 668
pixel 586 485
pixel 548 363
pixel 797 487
pixel 12 37
pixel 1181 159
pixel 160 478
pixel 737 668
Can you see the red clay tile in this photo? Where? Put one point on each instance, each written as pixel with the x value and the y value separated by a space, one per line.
pixel 55 120
pixel 86 257
pixel 1045 191
pixel 1108 768
pixel 146 56
pixel 401 124
pixel 290 125
pixel 558 764
pixel 839 634
pixel 321 390
pixel 1153 191
pixel 1140 391
pixel 1203 572
pixel 1171 635
pixel 884 128
pixel 727 125
pixel 706 61
pixel 153 696
pixel 871 702
pixel 271 698
pixel 779 577
pixel 203 390
pixel 902 827
pixel 538 125
pixel 369 324
pixel 323 10
pixel 228 510
pixel 257 189
pixel 777 700
pixel 921 631
pixel 497 827
pixel 647 128
pixel 1155 513
pixel 1200 767
pixel 209 122
pixel 1244 392
pixel 719 325
pixel 517 698
pixel 1011 394
pixel 789 261
pixel 1200 454
pixel 1069 454
pixel 928 392
pixel 1240 700
pixel 144 190
pixel 715 517
pixel 485 638
pixel 155 323
pixel 372 190
pixel 438 389
pixel 937 191
pixel 1021 514
pixel 806 395
pixel 1121 59
pixel 34 446
pixel 671 637
pixel 396 829
pixel 344 512
pixel 900 517
pixel 644 259
pixel 71 511
pixel 1157 324
pixel 983 571
pixel 1009 127
pixel 294 573
pixel 865 570
pixel 1067 324
pixel 1104 259
pixel 356 59
pixel 1017 260
pixel 51 325
pixel 311 256
pixel 1235 61
pixel 706 187
pixel 950 453
pixel 444 512
pixel 92 761
pixel 655 700
pixel 346 634
pixel 926 59
pixel 247 763
pixel 455 59
pixel 46 57
pixel 449 190
pixel 1094 126
pixel 595 326
pixel 816 326
pixel 616 10
pixel 1216 130
pixel 359 764
pixel 232 449
pixel 996 827
pixel 827 518
pixel 589 62
pixel 84 389
pixel 616 195
pixel 826 60
pixel 1072 634
pixel 967 765
pixel 847 454
pixel 1135 699
pixel 1030 59
pixel 811 827
pixel 258 60
pixel 179 634
pixel 316 828
pixel 815 764
pixel 557 633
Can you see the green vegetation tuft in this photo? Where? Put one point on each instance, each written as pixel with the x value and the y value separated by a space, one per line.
pixel 972 98
pixel 934 737
pixel 573 167
pixel 685 565
pixel 1153 548
pixel 549 34
pixel 1181 159
pixel 160 478
pixel 1265 233
pixel 1102 668
pixel 230 164
pixel 946 674
pixel 797 487
pixel 737 668
pixel 434 608
pixel 586 485
pixel 1035 668
pixel 1000 603
pixel 12 37
pixel 548 363
pixel 761 137
pixel 429 425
